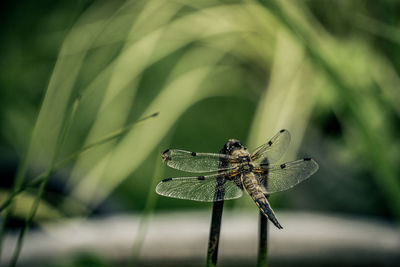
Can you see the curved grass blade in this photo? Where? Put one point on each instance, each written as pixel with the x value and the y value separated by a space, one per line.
pixel 40 178
pixel 146 215
pixel 374 147
pixel 43 183
pixel 159 42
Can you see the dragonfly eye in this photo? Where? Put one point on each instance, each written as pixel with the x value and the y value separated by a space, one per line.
pixel 166 155
pixel 232 145
pixel 237 144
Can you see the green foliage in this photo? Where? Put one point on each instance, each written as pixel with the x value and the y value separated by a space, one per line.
pixel 214 70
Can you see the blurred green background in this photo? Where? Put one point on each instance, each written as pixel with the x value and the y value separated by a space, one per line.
pixel 328 71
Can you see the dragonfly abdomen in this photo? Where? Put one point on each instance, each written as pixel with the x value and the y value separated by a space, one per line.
pixel 266 209
pixel 254 189
pixel 250 183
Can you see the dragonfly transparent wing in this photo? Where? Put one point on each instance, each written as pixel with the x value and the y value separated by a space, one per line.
pixel 202 188
pixel 274 149
pixel 195 162
pixel 285 176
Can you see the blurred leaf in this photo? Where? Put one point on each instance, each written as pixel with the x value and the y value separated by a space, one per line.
pixel 183 86
pixel 362 126
pixel 24 202
pixel 291 83
pixel 287 58
pixel 118 164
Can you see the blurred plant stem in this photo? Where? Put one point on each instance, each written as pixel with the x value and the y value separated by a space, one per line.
pixel 42 179
pixel 19 178
pixel 146 215
pixel 38 179
pixel 43 183
pixel 17 183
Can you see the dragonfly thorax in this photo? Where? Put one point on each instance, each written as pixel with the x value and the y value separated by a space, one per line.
pixel 243 160
pixel 246 168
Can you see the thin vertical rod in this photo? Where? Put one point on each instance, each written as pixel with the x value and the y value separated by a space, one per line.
pixel 262 258
pixel 218 206
pixel 213 241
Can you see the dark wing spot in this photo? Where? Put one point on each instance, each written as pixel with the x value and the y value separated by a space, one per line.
pixel 270 143
pixel 166 151
pixel 283 166
pixel 307 159
pixel 201 178
pixel 283 130
pixel 264 162
pixel 193 154
pixel 166 180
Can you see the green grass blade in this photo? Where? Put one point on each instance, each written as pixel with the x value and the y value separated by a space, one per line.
pixel 42 186
pixel 374 145
pixel 40 178
pixel 146 213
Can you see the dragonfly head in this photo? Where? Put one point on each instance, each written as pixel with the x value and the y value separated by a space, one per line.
pixel 166 155
pixel 233 145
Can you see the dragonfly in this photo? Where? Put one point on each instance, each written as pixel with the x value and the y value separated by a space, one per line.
pixel 236 170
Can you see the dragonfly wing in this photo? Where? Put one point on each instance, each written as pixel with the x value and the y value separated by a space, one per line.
pixel 274 149
pixel 209 188
pixel 195 162
pixel 282 177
